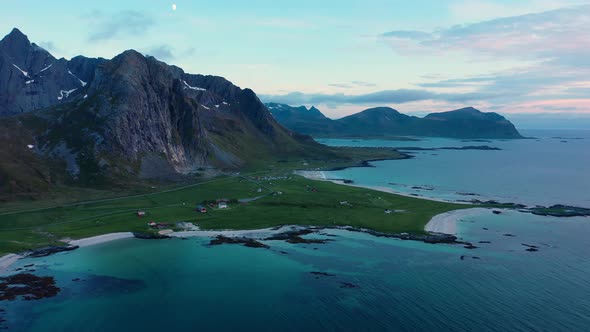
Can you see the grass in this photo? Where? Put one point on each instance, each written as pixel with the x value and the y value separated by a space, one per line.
pixel 298 205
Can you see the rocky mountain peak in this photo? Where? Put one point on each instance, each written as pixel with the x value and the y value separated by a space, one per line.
pixel 15 40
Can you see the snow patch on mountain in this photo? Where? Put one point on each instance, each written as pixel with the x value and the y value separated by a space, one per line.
pixel 187 86
pixel 76 77
pixel 44 69
pixel 22 71
pixel 65 94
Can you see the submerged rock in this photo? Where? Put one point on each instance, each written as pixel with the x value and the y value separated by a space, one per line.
pixel 294 237
pixel 322 274
pixel 251 243
pixel 469 246
pixel 348 285
pixel 27 286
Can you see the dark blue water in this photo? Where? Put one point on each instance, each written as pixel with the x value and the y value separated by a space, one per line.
pixel 551 169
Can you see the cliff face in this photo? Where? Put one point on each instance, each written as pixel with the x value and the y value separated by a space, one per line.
pixel 134 115
pixel 384 121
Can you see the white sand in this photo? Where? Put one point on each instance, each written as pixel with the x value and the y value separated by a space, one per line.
pixel 100 239
pixel 7 260
pixel 446 223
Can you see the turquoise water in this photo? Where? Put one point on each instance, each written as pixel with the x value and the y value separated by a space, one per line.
pixel 186 285
pixel 402 286
pixel 544 171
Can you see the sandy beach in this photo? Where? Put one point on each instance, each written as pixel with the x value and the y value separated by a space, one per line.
pixel 100 239
pixel 446 223
pixel 7 260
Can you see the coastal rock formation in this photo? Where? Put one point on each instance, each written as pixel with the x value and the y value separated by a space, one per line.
pixel 150 236
pixel 43 252
pixel 560 210
pixel 247 242
pixel 294 237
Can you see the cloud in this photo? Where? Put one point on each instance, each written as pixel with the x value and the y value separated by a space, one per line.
pixel 49 46
pixel 364 84
pixel 554 34
pixel 553 48
pixel 352 84
pixel 479 10
pixel 341 85
pixel 162 52
pixel 109 26
pixel 407 34
pixel 384 97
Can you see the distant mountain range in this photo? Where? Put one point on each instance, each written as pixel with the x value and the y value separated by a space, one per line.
pixel 100 120
pixel 466 123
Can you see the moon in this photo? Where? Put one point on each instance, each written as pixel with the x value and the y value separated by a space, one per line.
pixel 174 6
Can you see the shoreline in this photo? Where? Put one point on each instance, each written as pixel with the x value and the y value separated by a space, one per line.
pixel 440 224
pixel 7 260
pixel 446 223
pixel 321 176
pixel 99 239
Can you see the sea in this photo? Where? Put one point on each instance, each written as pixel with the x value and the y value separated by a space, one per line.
pixel 357 282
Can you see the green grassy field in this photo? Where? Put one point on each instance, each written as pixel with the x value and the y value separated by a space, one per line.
pixel 302 202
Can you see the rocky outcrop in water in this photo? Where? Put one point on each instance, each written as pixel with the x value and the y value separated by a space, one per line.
pixel 247 242
pixel 27 286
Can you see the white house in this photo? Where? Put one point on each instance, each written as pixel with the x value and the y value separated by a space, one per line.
pixel 222 205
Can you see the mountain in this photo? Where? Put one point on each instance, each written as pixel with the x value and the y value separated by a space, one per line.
pixel 103 121
pixel 301 119
pixel 466 123
pixel 31 78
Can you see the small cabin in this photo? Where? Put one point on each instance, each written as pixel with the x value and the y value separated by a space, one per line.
pixel 222 205
pixel 141 214
pixel 152 224
pixel 201 209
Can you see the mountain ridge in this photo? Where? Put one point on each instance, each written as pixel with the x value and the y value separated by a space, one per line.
pixel 131 117
pixel 464 123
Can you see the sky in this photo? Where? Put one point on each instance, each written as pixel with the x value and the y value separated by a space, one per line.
pixel 523 59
